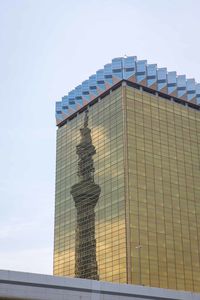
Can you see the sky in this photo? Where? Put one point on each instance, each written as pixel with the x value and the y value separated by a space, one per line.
pixel 48 47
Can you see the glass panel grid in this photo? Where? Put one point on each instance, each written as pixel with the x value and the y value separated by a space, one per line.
pixel 106 124
pixel 164 193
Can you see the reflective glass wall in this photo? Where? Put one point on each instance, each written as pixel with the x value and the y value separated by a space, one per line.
pixel 147 164
pixel 163 179
pixel 106 124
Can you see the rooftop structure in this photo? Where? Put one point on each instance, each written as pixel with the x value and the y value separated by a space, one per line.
pixel 133 70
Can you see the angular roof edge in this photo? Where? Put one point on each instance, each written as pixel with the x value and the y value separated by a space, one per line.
pixel 134 85
pixel 135 71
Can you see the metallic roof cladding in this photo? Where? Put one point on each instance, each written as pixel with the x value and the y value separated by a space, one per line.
pixel 171 83
pixel 129 68
pixel 191 91
pixel 152 75
pixel 141 73
pixel 198 93
pixel 78 95
pixel 181 87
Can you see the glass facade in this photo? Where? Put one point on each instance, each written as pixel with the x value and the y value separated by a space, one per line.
pixel 106 124
pixel 148 213
pixel 163 147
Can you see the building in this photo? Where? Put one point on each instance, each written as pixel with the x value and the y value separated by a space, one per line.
pixel 145 127
pixel 29 286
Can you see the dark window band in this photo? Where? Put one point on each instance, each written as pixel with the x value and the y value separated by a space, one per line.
pixel 191 92
pixel 140 73
pixel 130 69
pixel 117 70
pixel 151 77
pixel 108 76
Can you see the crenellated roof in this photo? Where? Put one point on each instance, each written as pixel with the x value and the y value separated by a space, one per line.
pixel 133 70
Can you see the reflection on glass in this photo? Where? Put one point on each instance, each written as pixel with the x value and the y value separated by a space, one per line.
pixel 85 194
pixel 147 165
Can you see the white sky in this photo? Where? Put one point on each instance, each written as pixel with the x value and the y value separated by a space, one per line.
pixel 47 47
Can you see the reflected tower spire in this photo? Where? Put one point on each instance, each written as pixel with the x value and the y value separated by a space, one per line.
pixel 85 194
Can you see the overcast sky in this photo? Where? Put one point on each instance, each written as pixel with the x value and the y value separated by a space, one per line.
pixel 47 47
